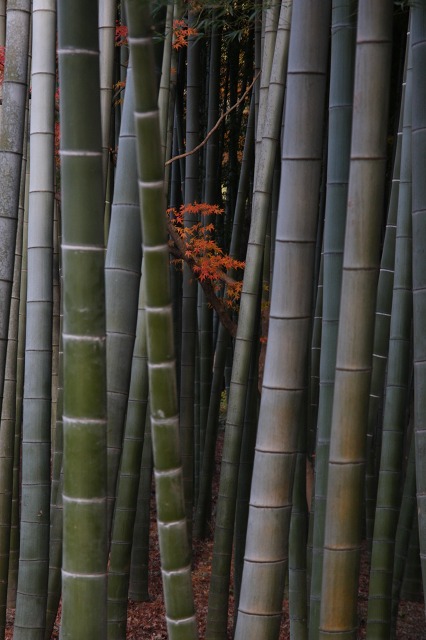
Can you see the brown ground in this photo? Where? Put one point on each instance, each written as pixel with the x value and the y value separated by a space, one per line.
pixel 145 620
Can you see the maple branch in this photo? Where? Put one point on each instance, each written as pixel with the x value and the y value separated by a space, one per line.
pixel 179 250
pixel 216 126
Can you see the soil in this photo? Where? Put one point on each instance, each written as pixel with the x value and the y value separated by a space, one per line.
pixel 146 620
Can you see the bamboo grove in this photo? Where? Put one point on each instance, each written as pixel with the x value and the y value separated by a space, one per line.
pixel 212 218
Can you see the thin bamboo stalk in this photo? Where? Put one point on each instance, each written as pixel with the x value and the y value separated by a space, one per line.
pixel 11 145
pixel 396 400
pixel 172 525
pixel 36 427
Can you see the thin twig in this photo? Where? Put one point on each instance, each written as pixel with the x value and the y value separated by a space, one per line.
pixel 216 126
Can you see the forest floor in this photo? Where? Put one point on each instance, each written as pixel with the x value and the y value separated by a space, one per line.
pixel 146 620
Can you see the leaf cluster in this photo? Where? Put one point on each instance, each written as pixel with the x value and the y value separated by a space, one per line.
pixel 208 261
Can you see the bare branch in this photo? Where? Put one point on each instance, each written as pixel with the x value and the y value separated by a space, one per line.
pixel 216 126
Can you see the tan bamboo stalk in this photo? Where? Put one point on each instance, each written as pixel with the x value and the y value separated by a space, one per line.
pixel 218 597
pixel 286 377
pixel 346 469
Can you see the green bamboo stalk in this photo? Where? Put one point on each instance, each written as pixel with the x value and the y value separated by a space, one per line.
pixel 211 196
pixel 222 341
pixel 56 321
pixel 268 39
pixel 189 283
pixel 8 416
pixel 167 120
pixel 412 587
pixel 84 563
pixel 2 40
pixel 339 136
pixel 122 278
pixel 128 482
pixel 285 379
pixel 315 360
pixel 245 473
pixel 219 586
pixel 418 42
pixel 297 560
pixel 2 22
pixel 54 585
pixel 172 525
pixel 381 343
pixel 139 567
pixel 14 530
pixel 36 427
pixel 56 504
pixel 396 400
pixel 343 530
pixel 164 92
pixel 107 15
pixel 406 521
pixel 11 144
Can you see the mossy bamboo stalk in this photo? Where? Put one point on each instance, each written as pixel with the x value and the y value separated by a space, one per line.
pixel 172 524
pixel 84 563
pixel 343 528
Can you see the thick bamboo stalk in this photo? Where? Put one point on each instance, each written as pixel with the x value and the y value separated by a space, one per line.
pixel 11 143
pixel 286 377
pixel 339 138
pixel 218 597
pixel 84 564
pixel 343 530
